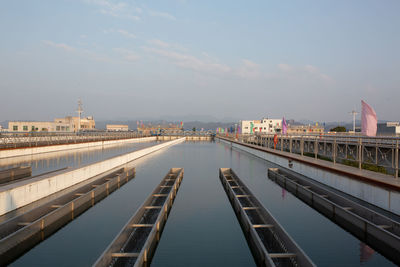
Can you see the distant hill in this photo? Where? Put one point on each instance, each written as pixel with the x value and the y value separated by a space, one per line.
pixel 348 125
pixel 188 125
pixel 4 124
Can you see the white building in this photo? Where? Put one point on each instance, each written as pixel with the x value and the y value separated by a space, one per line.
pixel 76 124
pixel 261 126
pixel 388 128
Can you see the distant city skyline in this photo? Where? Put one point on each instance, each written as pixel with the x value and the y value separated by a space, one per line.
pixel 313 60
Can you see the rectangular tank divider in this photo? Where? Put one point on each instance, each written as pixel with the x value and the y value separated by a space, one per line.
pixel 13 174
pixel 268 241
pixel 21 233
pixel 373 228
pixel 135 244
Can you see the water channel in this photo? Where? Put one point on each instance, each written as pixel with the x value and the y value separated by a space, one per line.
pixel 202 229
pixel 47 162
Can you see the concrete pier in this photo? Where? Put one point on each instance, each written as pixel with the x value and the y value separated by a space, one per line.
pixel 19 194
pixel 375 188
pixel 137 241
pixel 22 232
pixel 7 153
pixel 13 174
pixel 188 138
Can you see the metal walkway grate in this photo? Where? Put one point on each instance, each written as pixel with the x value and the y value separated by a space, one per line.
pixel 136 242
pixel 377 230
pixel 24 231
pixel 268 241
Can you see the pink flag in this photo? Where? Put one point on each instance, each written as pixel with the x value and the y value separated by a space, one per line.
pixel 284 126
pixel 368 120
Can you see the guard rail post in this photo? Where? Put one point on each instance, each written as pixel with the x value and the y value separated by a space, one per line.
pixel 316 148
pixel 360 152
pixel 334 150
pixel 301 146
pixel 396 173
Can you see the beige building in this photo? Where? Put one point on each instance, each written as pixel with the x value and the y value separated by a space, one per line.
pixel 38 126
pixel 67 124
pixel 117 127
pixel 87 123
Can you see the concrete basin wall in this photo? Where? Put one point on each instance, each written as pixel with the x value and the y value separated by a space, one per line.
pixel 375 195
pixel 19 194
pixel 44 149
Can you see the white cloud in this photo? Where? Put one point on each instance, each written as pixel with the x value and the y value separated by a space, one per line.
pixel 127 54
pixel 159 43
pixel 126 33
pixel 306 72
pixel 163 15
pixel 283 72
pixel 78 51
pixel 123 32
pixel 163 44
pixel 59 45
pixel 285 67
pixel 249 69
pixel 119 10
pixel 190 62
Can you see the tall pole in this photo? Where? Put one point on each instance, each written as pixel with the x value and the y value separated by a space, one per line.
pixel 354 113
pixel 80 110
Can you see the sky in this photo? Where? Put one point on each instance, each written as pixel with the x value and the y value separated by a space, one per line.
pixel 310 59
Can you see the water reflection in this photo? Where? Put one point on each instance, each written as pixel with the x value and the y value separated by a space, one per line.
pixel 202 229
pixel 366 253
pixel 283 193
pixel 46 162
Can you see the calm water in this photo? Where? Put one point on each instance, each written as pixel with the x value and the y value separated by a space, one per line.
pixel 202 229
pixel 46 162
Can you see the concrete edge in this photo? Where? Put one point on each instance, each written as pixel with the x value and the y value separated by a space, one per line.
pixel 9 153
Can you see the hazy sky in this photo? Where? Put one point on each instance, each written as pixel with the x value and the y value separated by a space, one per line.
pixel 243 59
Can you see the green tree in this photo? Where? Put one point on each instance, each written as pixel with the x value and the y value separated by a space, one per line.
pixel 194 129
pixel 339 129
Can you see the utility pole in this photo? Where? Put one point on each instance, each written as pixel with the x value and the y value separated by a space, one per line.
pixel 354 113
pixel 80 110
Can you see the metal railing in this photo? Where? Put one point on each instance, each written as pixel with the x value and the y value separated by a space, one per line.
pixel 379 154
pixel 378 231
pixel 18 140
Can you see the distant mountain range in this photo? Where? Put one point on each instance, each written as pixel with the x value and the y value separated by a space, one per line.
pixel 208 122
